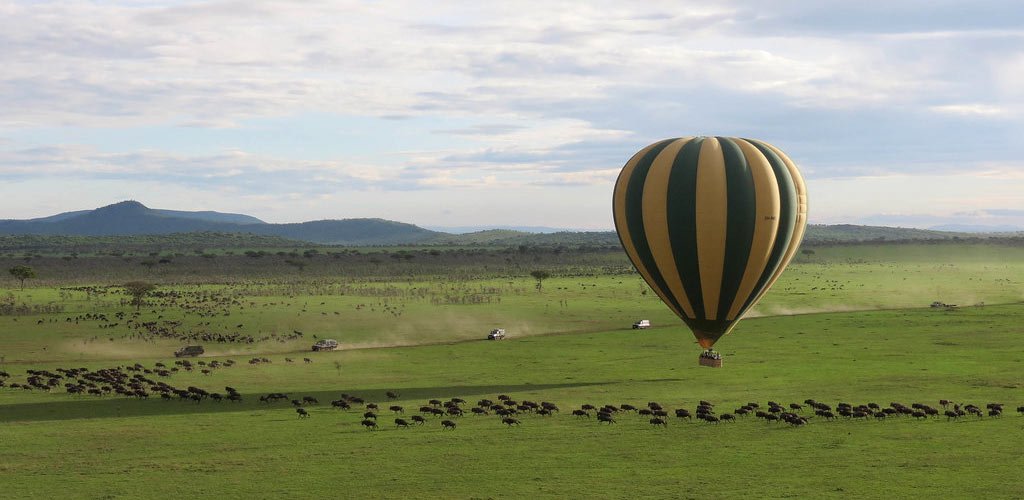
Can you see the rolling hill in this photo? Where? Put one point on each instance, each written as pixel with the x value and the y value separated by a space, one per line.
pixel 131 218
pixel 134 218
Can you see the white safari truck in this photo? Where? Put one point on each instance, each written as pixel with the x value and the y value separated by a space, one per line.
pixel 642 324
pixel 325 345
pixel 496 334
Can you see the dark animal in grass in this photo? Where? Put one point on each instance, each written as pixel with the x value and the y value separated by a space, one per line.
pixel 391 395
pixel 711 419
pixel 370 414
pixel 794 406
pixel 311 400
pixel 581 413
pixel 434 402
pixel 1020 409
pixel 396 409
pixel 302 412
pixel 588 407
pixel 995 413
pixel 950 414
pixel 645 412
pixel 454 411
pixel 727 418
pixel 660 413
pixel 625 407
pixel 369 424
pixel 437 412
pixel 371 406
pixel 479 411
pixel 418 419
pixel 341 404
pixel 447 424
pixel 658 421
pixel 605 417
pixel 307 360
pixel 509 421
pixel 401 422
pixel 296 402
pixel 683 413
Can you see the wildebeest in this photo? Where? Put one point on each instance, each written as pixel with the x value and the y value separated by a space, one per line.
pixel 400 422
pixel 391 395
pixel 580 413
pixel 310 399
pixel 658 421
pixel 396 409
pixel 370 414
pixel 447 424
pixel 605 417
pixel 369 424
pixel 302 412
pixel 509 421
pixel 418 419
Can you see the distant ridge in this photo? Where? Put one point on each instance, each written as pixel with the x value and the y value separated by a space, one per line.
pixel 133 218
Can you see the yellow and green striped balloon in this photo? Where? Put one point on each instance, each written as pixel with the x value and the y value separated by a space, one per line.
pixel 710 223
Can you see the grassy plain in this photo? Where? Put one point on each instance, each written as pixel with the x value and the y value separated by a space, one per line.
pixel 845 324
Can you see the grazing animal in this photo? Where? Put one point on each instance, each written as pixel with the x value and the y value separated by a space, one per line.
pixel 658 421
pixel 418 419
pixel 370 414
pixel 448 424
pixel 401 422
pixel 580 413
pixel 509 421
pixel 302 412
pixel 391 395
pixel 605 417
pixel 369 424
pixel 311 400
pixel 396 409
pixel 307 360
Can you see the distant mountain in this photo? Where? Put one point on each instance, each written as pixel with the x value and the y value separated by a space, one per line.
pixel 974 228
pixel 134 218
pixel 521 229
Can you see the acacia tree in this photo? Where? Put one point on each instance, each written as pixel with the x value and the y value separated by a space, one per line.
pixel 22 273
pixel 138 290
pixel 540 276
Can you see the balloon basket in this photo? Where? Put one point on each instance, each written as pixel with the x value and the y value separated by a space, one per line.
pixel 713 363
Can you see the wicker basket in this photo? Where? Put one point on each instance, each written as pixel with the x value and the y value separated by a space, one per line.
pixel 713 363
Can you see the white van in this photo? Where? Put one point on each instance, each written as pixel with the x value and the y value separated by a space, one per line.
pixel 496 334
pixel 642 324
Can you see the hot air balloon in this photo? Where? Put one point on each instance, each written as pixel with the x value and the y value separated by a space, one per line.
pixel 710 223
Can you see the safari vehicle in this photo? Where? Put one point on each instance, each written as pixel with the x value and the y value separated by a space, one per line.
pixel 496 334
pixel 325 345
pixel 642 324
pixel 189 350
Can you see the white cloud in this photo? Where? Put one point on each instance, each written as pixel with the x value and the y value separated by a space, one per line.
pixel 528 96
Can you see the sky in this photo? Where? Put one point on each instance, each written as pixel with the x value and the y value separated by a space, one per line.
pixel 899 113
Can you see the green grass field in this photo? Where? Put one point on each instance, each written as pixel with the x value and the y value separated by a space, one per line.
pixel 843 325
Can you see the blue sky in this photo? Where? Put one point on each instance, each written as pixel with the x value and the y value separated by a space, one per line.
pixel 514 113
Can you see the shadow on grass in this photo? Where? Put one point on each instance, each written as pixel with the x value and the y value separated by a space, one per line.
pixel 86 407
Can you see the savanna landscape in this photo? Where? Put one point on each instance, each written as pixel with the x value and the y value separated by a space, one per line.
pixel 847 323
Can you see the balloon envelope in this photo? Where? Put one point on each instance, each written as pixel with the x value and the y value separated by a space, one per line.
pixel 710 223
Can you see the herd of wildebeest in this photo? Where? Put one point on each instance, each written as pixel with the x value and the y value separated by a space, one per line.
pixel 141 382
